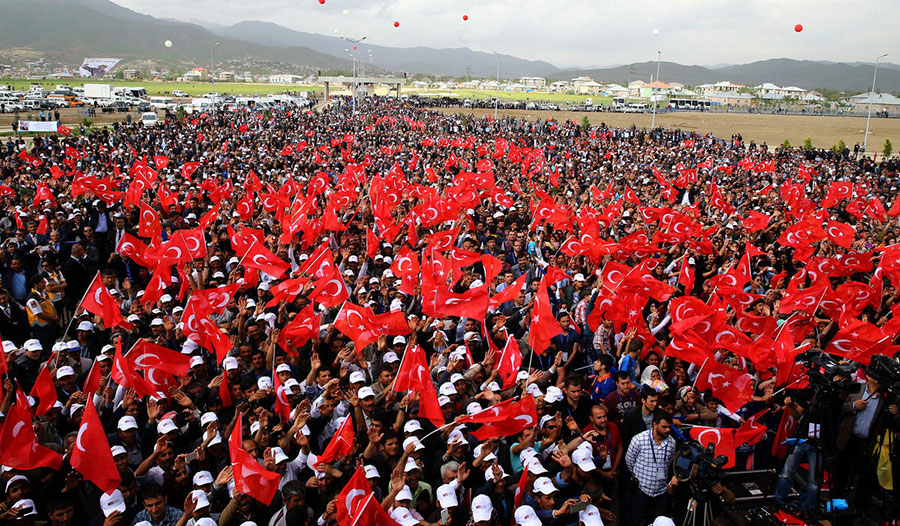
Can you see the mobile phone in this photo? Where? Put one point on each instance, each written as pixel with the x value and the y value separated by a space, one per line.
pixel 575 508
pixel 192 456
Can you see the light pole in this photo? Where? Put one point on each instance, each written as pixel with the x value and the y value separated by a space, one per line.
pixel 658 60
pixel 354 42
pixel 497 96
pixel 871 101
pixel 212 73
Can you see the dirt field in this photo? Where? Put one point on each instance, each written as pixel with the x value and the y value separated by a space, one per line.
pixel 771 129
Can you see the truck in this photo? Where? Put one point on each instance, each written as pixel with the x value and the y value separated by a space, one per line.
pixel 98 91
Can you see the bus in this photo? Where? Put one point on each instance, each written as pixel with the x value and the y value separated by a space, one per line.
pixel 688 104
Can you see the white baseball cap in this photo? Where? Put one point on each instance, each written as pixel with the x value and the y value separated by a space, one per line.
pixel 202 521
pixel 404 494
pixel 112 502
pixel 196 360
pixel 447 389
pixel 554 394
pixel 365 392
pixel 412 426
pixel 164 427
pixel 399 339
pixel 482 508
pixel 357 377
pixel 534 466
pixel 64 371
pixel 165 298
pixel 410 465
pixel 283 368
pixel 579 277
pixel 117 450
pixel 33 345
pixel 230 363
pixel 371 472
pixel 456 377
pixel 390 357
pixel 200 499
pixel 583 459
pixel 487 458
pixel 525 516
pixel 590 516
pixel 444 400
pixel 126 422
pixel 26 504
pixel 545 486
pixel 413 440
pixel 279 455
pixel 264 383
pixel 402 515
pixel 85 326
pixel 447 496
pixel 208 418
pixel 155 323
pixel 202 478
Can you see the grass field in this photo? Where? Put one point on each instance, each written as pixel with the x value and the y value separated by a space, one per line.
pixel 166 88
pixel 771 129
pixel 555 98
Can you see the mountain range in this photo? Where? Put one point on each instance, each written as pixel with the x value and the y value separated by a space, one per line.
pixel 68 30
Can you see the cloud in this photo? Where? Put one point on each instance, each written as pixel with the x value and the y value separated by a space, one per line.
pixel 579 32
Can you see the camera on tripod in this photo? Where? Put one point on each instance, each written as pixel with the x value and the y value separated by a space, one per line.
pixel 698 465
pixel 825 372
pixel 886 371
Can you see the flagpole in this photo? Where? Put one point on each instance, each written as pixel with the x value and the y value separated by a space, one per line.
pixel 698 373
pixel 438 429
pixel 77 305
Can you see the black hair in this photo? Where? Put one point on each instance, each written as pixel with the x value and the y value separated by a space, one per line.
pixel 607 361
pixel 659 416
pixel 622 375
pixel 152 491
pixel 574 379
pixel 60 501
pixel 647 391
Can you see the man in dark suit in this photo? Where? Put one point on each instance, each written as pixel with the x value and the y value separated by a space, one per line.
pixel 77 275
pixel 13 321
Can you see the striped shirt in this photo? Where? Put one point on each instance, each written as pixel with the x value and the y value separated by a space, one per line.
pixel 649 462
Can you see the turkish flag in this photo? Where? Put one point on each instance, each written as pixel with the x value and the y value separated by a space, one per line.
pixel 752 431
pixel 732 386
pixel 340 445
pixel 509 293
pixel 63 130
pixel 521 488
pixel 721 439
pixel 330 290
pixel 543 324
pixel 786 427
pixel 287 291
pixel 188 169
pixel 371 243
pixel 133 248
pixel 438 301
pixel 92 382
pixel 100 302
pixel 18 445
pixel 282 407
pixel 260 258
pixel 301 329
pixel 225 391
pixel 517 417
pixel 146 355
pixel 123 374
pixel 840 234
pixel 510 362
pixel 414 375
pixel 192 240
pixel 859 341
pixel 45 390
pixel 837 191
pixel 686 277
pixel 91 455
pixel 149 226
pixel 161 161
pixel 249 477
pixel 362 326
pixel 215 300
pixel 357 505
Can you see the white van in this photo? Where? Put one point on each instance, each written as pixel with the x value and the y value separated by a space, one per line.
pixel 162 103
pixel 149 119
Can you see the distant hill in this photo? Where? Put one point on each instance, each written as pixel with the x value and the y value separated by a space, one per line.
pixel 72 29
pixel 781 71
pixel 429 61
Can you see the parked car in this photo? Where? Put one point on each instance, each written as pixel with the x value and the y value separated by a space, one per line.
pixel 179 93
pixel 149 119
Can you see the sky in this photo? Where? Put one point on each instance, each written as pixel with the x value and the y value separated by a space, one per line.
pixel 582 32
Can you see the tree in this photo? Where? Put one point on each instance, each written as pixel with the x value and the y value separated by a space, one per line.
pixel 888 148
pixel 585 123
pixel 839 147
pixel 786 144
pixel 807 143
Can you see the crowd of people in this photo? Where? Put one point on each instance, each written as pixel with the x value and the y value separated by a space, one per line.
pixel 388 314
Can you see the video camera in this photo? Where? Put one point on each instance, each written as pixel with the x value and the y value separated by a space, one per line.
pixel 698 464
pixel 886 371
pixel 826 373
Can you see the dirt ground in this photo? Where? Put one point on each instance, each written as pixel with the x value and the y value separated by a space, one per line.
pixel 771 129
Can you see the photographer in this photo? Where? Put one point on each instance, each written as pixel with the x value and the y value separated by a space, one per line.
pixel 720 499
pixel 868 414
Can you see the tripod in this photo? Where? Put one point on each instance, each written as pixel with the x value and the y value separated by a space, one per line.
pixel 691 516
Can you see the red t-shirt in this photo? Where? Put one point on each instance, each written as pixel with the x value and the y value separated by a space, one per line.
pixel 612 439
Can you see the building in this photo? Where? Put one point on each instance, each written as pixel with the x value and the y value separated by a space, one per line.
pixel 200 72
pixel 225 76
pixel 723 86
pixel 615 90
pixel 793 92
pixel 654 90
pixel 578 82
pixel 812 97
pixel 767 88
pixel 880 102
pixel 533 82
pixel 734 99
pixel 285 79
pixel 130 74
pixel 560 86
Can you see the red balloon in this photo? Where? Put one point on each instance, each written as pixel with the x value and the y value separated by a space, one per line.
pixel 798 28
pixel 321 1
pixel 354 47
pixel 465 17
pixel 396 24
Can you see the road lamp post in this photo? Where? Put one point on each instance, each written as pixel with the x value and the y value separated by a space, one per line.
pixel 658 60
pixel 212 73
pixel 354 42
pixel 497 95
pixel 871 102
